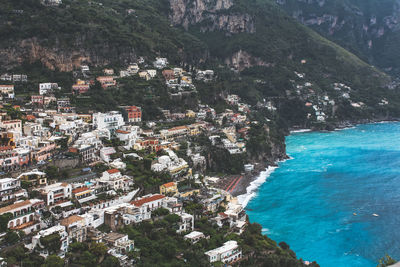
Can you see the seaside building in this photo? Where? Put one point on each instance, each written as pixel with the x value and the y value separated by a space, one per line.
pixel 228 253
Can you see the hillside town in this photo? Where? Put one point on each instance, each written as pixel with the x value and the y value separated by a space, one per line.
pixel 72 177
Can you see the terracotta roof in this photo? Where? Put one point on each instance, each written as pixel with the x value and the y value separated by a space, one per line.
pixel 24 225
pixel 80 189
pixel 3 148
pixel 178 128
pixel 30 117
pixel 222 214
pixel 169 184
pixel 14 206
pixel 112 171
pixel 133 108
pixel 71 219
pixel 73 150
pixel 145 200
pixel 121 131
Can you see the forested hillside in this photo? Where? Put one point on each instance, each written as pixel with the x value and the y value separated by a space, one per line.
pixel 369 28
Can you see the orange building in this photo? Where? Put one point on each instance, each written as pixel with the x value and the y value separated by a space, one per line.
pixel 134 113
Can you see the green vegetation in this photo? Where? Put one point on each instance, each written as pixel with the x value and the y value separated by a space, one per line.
pixel 160 245
pixel 386 261
pixel 51 242
pixel 4 219
pixel 113 33
pixel 53 261
pixel 93 254
pixel 18 255
pixel 357 28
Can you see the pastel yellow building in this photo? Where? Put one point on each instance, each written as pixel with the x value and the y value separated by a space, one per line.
pixel 168 188
pixel 190 114
pixel 189 193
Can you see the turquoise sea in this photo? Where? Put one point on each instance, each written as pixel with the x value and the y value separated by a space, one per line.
pixel 321 202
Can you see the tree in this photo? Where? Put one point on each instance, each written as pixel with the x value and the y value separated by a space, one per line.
pixel 172 218
pixel 63 143
pixel 87 259
pixel 11 237
pixel 4 219
pixel 99 250
pixel 53 261
pixel 52 172
pixel 77 247
pixel 51 242
pixel 110 261
pixel 147 164
pixel 160 212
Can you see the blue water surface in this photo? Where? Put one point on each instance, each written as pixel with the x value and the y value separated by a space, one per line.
pixel 310 201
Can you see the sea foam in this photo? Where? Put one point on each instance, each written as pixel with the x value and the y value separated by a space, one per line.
pixel 301 131
pixel 251 190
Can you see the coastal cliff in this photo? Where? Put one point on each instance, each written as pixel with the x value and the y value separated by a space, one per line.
pixel 59 57
pixel 368 28
pixel 211 15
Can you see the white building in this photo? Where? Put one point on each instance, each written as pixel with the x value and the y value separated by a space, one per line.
pixel 84 68
pixel 194 236
pixel 171 163
pixel 248 167
pixel 106 152
pixel 228 253
pixel 120 243
pixel 128 135
pixel 111 121
pixel 148 203
pixel 10 188
pixel 24 215
pixel 186 223
pixel 45 88
pixel 56 192
pixel 7 91
pixel 32 128
pixel 160 63
pixel 116 180
pixel 58 229
pixel 152 73
pixel 12 126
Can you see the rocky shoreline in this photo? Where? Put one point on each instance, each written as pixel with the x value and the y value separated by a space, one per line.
pixel 248 178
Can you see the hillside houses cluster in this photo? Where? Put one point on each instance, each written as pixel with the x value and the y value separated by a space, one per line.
pixel 322 105
pixel 50 134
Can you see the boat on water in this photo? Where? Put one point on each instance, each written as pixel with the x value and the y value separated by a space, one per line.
pixel 374 214
pixel 355 214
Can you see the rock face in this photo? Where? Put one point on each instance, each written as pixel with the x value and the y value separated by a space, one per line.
pixel 242 60
pixel 211 15
pixel 60 58
pixel 370 27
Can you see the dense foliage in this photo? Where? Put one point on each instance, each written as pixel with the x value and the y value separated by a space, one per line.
pixel 368 28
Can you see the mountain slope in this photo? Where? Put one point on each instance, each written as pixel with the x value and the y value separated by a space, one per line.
pixel 252 37
pixel 369 28
pixel 257 38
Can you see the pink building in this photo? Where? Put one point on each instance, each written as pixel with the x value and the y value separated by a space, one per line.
pixel 44 151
